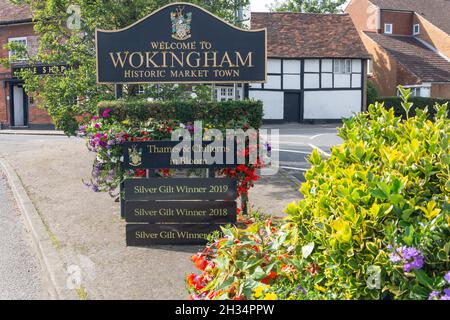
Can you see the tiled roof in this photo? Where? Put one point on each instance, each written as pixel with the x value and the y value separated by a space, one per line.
pixel 435 11
pixel 10 12
pixel 303 35
pixel 414 56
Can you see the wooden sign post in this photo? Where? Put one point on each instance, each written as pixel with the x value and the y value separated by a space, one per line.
pixel 176 210
pixel 179 43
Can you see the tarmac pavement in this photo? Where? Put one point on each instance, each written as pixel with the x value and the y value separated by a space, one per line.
pixel 20 273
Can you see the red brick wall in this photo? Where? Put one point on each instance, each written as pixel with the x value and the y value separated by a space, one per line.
pixel 4 117
pixel 440 90
pixel 364 14
pixel 387 72
pixel 35 115
pixel 14 31
pixel 402 22
pixel 433 35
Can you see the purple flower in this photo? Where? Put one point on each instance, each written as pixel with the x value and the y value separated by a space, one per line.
pixel 411 258
pixel 190 128
pixel 446 295
pixel 303 290
pixel 447 277
pixel 434 295
pixel 268 146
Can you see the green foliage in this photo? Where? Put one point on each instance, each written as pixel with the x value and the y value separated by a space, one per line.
pixel 308 6
pixel 372 93
pixel 220 114
pixel 418 103
pixel 385 190
pixel 76 93
pixel 387 184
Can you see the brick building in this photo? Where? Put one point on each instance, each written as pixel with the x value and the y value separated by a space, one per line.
pixel 409 41
pixel 16 109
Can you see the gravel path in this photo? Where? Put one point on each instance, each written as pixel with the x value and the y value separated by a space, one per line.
pixel 20 274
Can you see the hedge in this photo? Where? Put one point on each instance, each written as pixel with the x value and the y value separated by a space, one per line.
pixel 222 114
pixel 418 103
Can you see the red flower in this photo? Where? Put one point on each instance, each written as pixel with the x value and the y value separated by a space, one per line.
pixel 313 269
pixel 140 173
pixel 201 264
pixel 272 275
pixel 191 279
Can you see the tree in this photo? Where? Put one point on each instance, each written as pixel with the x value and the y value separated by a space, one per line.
pixel 308 6
pixel 67 34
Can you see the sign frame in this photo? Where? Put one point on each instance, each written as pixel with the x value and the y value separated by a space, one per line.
pixel 97 30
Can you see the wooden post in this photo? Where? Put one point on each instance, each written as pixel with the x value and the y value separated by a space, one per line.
pixel 118 90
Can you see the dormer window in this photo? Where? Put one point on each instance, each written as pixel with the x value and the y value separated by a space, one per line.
pixel 388 28
pixel 416 29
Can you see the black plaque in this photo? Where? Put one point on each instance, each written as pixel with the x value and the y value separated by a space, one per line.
pixel 180 189
pixel 181 43
pixel 42 69
pixel 158 155
pixel 181 211
pixel 142 235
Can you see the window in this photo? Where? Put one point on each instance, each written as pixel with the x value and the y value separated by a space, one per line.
pixel 370 67
pixel 388 28
pixel 21 40
pixel 226 93
pixel 416 29
pixel 141 89
pixel 418 91
pixel 342 66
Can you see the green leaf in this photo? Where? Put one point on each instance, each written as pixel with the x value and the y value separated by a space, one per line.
pixel 423 279
pixel 259 273
pixel 307 250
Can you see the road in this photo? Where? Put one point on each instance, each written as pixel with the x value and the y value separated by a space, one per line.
pixel 297 141
pixel 20 273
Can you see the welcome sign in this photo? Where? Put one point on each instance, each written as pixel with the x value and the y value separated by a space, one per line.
pixel 181 43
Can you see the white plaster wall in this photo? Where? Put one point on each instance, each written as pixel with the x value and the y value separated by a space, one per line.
pixel 273 82
pixel 291 82
pixel 331 104
pixel 273 103
pixel 356 80
pixel 342 80
pixel 312 81
pixel 356 65
pixel 291 66
pixel 273 66
pixel 327 65
pixel 327 80
pixel 255 85
pixel 312 65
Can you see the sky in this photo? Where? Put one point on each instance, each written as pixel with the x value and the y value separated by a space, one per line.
pixel 259 5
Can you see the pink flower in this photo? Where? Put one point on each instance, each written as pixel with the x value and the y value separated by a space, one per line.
pixel 106 112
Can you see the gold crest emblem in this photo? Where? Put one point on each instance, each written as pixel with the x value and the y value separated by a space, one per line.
pixel 135 156
pixel 181 24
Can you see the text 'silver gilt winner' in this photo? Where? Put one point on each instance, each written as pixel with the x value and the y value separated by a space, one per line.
pixel 195 46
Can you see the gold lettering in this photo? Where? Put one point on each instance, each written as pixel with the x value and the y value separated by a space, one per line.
pixel 246 62
pixel 119 58
pixel 141 59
